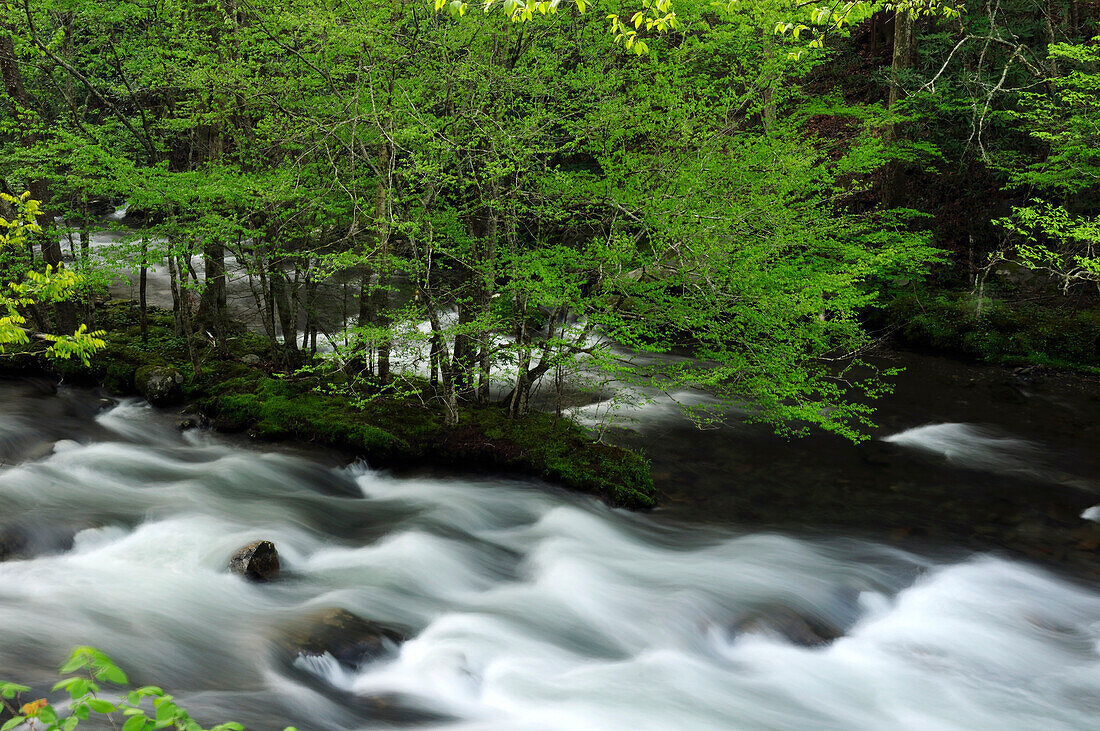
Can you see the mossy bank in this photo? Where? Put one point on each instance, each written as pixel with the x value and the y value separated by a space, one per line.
pixel 1061 333
pixel 240 389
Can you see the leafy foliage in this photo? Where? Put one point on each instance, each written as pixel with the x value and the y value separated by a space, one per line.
pixel 33 287
pixel 1062 236
pixel 139 709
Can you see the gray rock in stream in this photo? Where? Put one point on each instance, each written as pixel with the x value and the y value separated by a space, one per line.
pixel 348 638
pixel 18 543
pixel 160 385
pixel 258 561
pixel 792 626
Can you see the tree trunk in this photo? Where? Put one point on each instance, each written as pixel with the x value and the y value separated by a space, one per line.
pixel 143 287
pixel 380 297
pixel 465 351
pixel 287 326
pixel 485 294
pixel 904 56
pixel 177 297
pixel 185 312
pixel 213 314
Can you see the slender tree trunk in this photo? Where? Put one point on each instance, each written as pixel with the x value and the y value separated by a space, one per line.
pixel 465 352
pixel 177 296
pixel 85 262
pixel 266 301
pixel 904 56
pixel 281 296
pixel 213 314
pixel 143 289
pixel 485 295
pixel 381 295
pixel 185 311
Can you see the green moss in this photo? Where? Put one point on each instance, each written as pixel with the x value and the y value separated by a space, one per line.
pixel 565 453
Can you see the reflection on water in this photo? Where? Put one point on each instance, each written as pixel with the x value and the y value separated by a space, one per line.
pixel 525 608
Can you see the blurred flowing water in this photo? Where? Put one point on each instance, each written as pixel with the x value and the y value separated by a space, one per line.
pixel 526 608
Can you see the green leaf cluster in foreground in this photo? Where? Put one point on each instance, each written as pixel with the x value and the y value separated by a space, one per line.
pixel 137 709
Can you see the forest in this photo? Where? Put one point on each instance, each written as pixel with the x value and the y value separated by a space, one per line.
pixel 489 200
pixel 476 237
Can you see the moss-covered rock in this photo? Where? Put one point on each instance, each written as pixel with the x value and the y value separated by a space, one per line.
pixel 159 385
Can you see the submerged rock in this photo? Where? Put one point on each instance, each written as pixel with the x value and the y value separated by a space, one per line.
pixel 12 544
pixel 798 629
pixel 258 561
pixel 348 638
pixel 878 452
pixel 160 385
pixel 17 542
pixel 1007 391
pixel 190 421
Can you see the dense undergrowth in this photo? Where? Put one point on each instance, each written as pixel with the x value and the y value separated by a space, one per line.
pixel 1005 330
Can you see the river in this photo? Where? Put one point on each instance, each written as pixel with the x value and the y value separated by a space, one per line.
pixel 530 608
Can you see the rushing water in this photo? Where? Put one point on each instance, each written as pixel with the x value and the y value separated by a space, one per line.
pixel 526 608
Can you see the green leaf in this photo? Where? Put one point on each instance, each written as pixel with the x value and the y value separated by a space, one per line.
pixel 10 690
pixel 101 706
pixel 113 675
pixel 12 723
pixel 135 723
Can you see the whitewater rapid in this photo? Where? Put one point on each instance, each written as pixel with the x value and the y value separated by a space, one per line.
pixel 526 608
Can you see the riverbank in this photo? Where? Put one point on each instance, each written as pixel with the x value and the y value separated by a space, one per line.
pixel 244 390
pixel 1013 328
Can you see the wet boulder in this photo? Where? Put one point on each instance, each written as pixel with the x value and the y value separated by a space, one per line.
pixel 350 639
pixel 12 544
pixel 160 385
pixel 17 542
pixel 188 422
pixel 258 561
pixel 794 627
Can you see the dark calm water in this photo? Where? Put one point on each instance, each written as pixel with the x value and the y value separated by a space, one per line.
pixel 785 586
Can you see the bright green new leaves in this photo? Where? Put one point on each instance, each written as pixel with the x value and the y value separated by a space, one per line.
pixel 1059 234
pixel 821 20
pixel 659 16
pixel 38 287
pixel 1050 239
pixel 147 708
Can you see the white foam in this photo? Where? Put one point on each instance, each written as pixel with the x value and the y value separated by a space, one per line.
pixel 970 446
pixel 525 610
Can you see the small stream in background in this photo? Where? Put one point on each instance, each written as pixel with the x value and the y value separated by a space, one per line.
pixel 785 585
